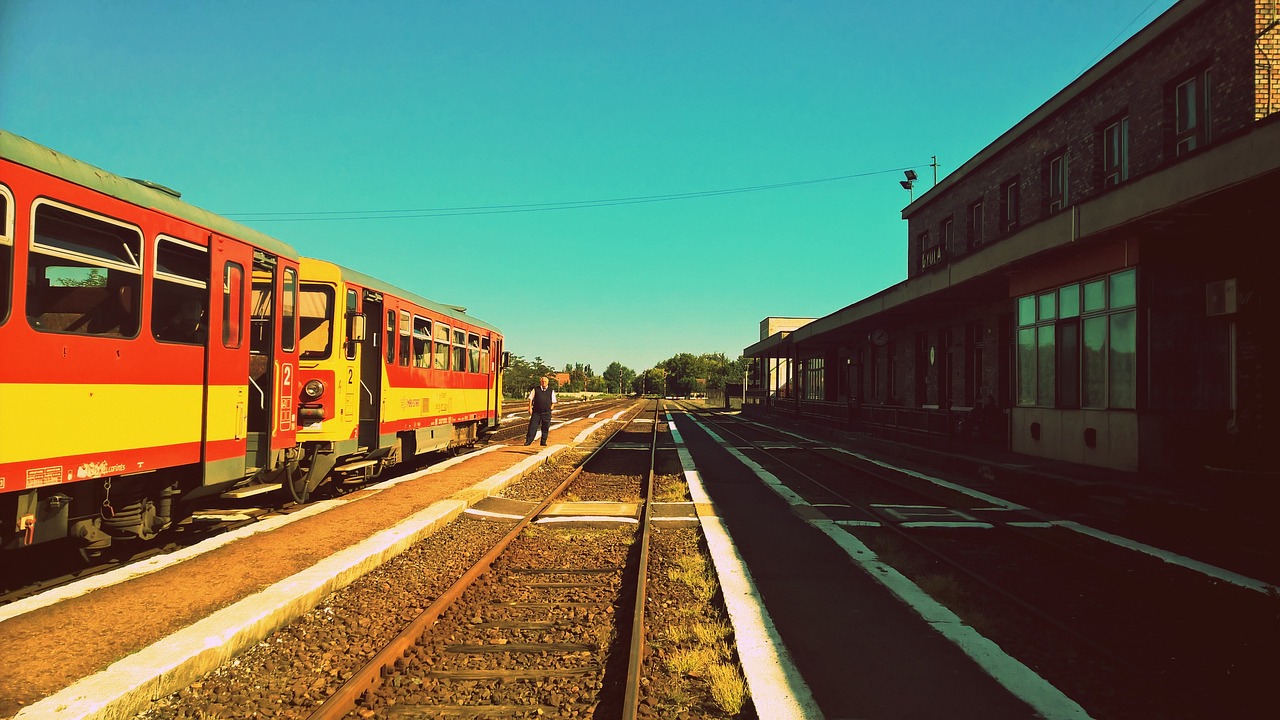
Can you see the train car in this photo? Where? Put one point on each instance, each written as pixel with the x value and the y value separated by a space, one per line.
pixel 386 375
pixel 148 352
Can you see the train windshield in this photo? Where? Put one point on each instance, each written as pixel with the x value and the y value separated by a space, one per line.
pixel 315 320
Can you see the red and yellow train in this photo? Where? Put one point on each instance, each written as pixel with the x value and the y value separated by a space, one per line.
pixel 153 353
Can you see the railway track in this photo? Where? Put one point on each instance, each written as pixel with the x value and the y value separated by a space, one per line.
pixel 542 619
pixel 547 614
pixel 1090 616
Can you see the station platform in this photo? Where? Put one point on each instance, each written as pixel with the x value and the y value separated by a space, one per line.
pixel 863 649
pixel 1219 516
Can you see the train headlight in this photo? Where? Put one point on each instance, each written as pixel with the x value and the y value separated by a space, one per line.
pixel 313 389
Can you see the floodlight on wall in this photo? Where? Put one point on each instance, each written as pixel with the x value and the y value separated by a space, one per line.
pixel 911 175
pixel 909 183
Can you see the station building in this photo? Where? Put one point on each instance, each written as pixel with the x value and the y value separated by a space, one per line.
pixel 1090 287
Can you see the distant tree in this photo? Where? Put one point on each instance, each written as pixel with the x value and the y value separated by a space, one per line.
pixel 688 373
pixel 618 377
pixel 577 379
pixel 650 382
pixel 521 376
pixel 597 385
pixel 94 278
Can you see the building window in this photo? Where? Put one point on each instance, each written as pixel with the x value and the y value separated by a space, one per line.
pixel 974 225
pixel 813 376
pixel 1056 182
pixel 1115 153
pixel 944 235
pixel 1077 345
pixel 1191 116
pixel 1009 206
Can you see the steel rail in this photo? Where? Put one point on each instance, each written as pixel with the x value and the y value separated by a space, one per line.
pixel 383 663
pixel 635 658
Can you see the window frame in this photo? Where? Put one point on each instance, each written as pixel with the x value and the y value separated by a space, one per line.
pixel 7 254
pixel 392 324
pixel 330 295
pixel 1104 375
pixel 1115 152
pixel 974 224
pixel 1010 205
pixel 406 338
pixel 421 356
pixel 1056 182
pixel 473 352
pixel 233 295
pixel 814 378
pixel 1191 122
pixel 161 311
pixel 443 357
pixel 115 315
pixel 459 349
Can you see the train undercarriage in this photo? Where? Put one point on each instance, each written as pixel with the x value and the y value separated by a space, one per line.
pixel 95 514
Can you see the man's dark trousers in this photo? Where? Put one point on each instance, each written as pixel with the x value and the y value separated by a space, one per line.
pixel 538 420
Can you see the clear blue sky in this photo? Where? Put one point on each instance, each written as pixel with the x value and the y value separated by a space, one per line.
pixel 394 114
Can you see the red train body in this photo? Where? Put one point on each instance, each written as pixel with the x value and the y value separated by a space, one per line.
pixel 151 353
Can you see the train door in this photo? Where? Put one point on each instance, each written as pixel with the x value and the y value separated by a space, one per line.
pixel 496 366
pixel 371 369
pixel 226 400
pixel 285 426
pixel 273 361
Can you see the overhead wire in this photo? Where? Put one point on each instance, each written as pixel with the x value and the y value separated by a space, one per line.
pixel 331 215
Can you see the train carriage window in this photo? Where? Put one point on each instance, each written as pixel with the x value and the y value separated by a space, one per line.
pixel 459 351
pixel 473 352
pixel 180 292
pixel 352 342
pixel 442 347
pixel 84 273
pixel 421 342
pixel 6 254
pixel 262 310
pixel 289 320
pixel 391 337
pixel 406 339
pixel 315 321
pixel 232 305
pixel 484 356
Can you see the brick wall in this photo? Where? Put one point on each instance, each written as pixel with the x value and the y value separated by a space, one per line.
pixel 1218 36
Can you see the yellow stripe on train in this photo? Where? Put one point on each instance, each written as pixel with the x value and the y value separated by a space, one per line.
pixel 41 421
pixel 410 403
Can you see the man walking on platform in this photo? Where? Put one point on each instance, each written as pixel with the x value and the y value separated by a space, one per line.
pixel 541 400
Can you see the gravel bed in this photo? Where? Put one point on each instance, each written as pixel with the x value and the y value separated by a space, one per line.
pixel 574 633
pixel 290 673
